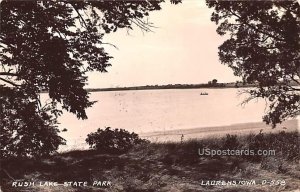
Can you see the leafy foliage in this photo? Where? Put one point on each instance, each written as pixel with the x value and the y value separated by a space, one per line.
pixel 113 141
pixel 32 131
pixel 263 48
pixel 285 144
pixel 51 46
pixel 230 142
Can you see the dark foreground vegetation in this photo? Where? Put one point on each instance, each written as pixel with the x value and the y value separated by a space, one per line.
pixel 165 167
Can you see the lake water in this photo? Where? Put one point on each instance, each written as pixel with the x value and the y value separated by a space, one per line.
pixel 161 110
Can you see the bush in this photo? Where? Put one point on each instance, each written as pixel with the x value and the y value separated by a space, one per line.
pixel 113 141
pixel 230 142
pixel 285 144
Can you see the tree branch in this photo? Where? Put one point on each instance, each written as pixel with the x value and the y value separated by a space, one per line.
pixel 295 80
pixel 110 45
pixel 260 31
pixel 4 170
pixel 9 82
pixel 8 74
pixel 141 26
pixel 294 89
pixel 82 19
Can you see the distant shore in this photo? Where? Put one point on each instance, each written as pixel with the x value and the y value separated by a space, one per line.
pixel 173 86
pixel 170 86
pixel 209 85
pixel 176 86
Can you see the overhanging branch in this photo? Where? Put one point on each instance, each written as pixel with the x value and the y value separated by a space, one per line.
pixel 258 30
pixel 8 74
pixel 82 19
pixel 9 82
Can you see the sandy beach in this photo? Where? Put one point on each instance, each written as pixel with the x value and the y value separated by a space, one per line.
pixel 218 131
pixel 198 133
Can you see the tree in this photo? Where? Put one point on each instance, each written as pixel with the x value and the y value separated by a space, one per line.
pixel 263 48
pixel 50 46
pixel 214 82
pixel 26 130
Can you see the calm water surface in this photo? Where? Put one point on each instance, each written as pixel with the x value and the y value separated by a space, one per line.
pixel 158 110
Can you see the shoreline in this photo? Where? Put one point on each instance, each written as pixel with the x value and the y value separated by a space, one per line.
pixel 91 90
pixel 219 131
pixel 199 133
pixel 162 88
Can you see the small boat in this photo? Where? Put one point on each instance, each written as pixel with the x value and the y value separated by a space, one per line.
pixel 204 93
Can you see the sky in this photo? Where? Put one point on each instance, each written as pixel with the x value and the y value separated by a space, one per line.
pixel 183 49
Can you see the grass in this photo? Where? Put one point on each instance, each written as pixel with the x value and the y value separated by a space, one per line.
pixel 167 166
